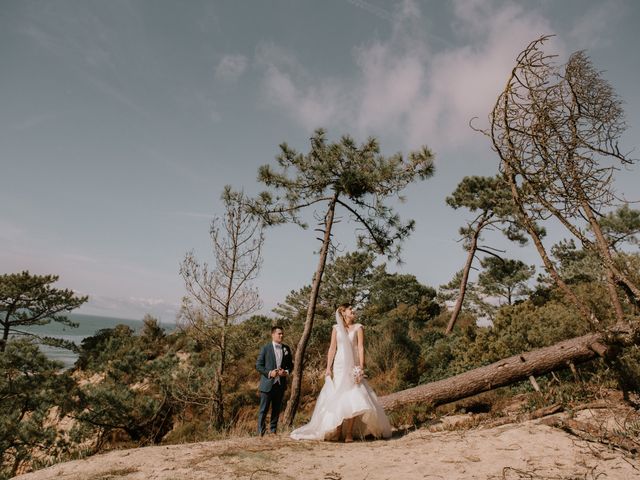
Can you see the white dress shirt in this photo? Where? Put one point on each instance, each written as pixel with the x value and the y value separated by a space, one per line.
pixel 278 350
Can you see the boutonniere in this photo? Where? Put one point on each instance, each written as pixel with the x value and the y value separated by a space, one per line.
pixel 285 351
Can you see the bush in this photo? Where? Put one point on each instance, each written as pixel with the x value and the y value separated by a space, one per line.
pixel 33 393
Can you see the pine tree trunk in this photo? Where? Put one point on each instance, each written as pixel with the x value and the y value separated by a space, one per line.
pixel 537 241
pixel 465 279
pixel 501 373
pixel 5 337
pixel 219 384
pixel 605 254
pixel 298 366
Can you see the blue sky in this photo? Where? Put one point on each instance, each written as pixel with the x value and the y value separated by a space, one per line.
pixel 121 121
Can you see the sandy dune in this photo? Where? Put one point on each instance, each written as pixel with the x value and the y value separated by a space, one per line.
pixel 528 450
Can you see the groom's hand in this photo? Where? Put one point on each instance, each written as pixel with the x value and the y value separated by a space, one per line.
pixel 273 373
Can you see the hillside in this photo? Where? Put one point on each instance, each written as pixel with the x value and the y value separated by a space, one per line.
pixel 450 449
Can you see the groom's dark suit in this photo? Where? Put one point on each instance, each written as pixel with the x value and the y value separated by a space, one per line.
pixel 272 389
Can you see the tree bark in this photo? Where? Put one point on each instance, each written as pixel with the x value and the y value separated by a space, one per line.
pixel 501 373
pixel 5 337
pixel 298 365
pixel 603 247
pixel 537 241
pixel 465 278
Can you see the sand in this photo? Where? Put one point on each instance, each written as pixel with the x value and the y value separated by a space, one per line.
pixel 528 450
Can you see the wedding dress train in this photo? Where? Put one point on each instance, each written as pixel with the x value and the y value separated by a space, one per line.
pixel 342 398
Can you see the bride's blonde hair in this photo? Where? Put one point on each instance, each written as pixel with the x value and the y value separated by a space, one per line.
pixel 341 310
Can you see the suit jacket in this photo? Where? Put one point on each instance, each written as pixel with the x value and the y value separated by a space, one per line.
pixel 267 362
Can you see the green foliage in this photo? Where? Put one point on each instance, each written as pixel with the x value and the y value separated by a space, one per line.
pixel 450 291
pixel 490 198
pixel 621 226
pixel 523 327
pixel 294 307
pixel 441 352
pixel 390 290
pixel 483 194
pixel 628 369
pixel 357 177
pixel 133 385
pixel 395 309
pixel 152 336
pixel 27 299
pixel 97 350
pixel 33 395
pixel 576 265
pixel 292 314
pixel 391 352
pixel 505 278
pixel 348 280
pixel 516 328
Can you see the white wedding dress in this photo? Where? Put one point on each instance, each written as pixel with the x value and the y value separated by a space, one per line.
pixel 342 398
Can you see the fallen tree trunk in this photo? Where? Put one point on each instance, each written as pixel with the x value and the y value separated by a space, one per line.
pixel 501 373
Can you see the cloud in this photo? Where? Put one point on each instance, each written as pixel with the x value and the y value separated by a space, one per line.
pixel 373 9
pixel 591 28
pixel 231 67
pixel 130 307
pixel 405 87
pixel 287 85
pixel 126 289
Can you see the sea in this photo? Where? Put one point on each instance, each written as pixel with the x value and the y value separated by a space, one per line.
pixel 88 325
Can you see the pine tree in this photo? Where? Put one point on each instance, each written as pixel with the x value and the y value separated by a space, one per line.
pixel 339 175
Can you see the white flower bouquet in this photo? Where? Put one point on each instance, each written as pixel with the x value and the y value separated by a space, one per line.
pixel 358 374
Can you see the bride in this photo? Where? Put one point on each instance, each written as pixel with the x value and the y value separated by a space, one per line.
pixel 346 405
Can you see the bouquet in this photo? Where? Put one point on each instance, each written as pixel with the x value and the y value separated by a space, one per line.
pixel 358 374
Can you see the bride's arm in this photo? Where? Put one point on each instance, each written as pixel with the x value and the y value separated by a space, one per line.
pixel 360 334
pixel 332 352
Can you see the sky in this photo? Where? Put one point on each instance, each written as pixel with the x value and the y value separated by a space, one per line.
pixel 121 122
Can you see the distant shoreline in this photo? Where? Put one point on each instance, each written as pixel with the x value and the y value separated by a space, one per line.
pixel 88 325
pixel 110 317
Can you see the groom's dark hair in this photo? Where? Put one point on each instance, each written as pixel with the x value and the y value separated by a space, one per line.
pixel 276 327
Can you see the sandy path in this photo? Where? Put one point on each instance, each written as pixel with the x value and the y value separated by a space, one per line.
pixel 523 450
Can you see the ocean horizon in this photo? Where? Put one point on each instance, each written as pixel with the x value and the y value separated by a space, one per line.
pixel 88 325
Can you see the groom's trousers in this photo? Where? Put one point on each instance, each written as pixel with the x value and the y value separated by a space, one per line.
pixel 271 399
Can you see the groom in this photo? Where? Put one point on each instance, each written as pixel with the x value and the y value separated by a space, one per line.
pixel 274 364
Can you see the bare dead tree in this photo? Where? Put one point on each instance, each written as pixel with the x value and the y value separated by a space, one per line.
pixel 556 131
pixel 220 295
